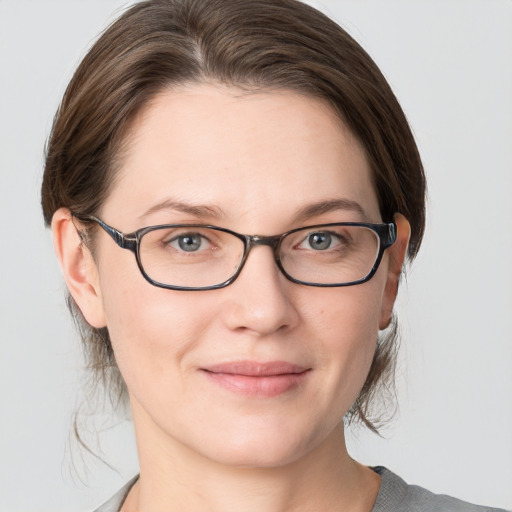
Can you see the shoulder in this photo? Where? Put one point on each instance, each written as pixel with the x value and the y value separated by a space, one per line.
pixel 395 495
pixel 115 503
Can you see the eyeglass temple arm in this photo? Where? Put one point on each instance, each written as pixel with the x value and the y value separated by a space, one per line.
pixel 125 241
pixel 390 237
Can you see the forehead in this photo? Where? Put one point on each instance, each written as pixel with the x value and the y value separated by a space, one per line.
pixel 253 154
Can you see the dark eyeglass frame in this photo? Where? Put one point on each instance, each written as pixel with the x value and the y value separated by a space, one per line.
pixel 386 233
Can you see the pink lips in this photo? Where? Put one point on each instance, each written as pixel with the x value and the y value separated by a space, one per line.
pixel 257 379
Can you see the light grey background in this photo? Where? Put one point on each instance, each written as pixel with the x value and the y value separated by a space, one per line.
pixel 450 63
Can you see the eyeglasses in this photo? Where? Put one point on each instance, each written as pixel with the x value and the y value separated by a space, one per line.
pixel 201 257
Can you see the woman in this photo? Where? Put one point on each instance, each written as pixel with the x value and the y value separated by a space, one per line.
pixel 233 190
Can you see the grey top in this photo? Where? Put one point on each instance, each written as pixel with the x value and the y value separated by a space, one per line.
pixel 394 496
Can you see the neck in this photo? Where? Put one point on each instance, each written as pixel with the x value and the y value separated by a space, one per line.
pixel 173 475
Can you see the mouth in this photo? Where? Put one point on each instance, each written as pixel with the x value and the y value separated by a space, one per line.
pixel 255 379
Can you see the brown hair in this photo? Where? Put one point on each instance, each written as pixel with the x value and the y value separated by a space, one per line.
pixel 252 44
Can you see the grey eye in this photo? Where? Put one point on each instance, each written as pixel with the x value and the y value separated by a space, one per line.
pixel 320 241
pixel 190 242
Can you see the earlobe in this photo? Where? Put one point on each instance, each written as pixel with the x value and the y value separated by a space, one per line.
pixel 396 253
pixel 78 267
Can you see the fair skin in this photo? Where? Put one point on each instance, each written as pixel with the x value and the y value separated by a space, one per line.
pixel 257 161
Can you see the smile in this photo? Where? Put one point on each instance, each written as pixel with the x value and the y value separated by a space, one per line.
pixel 254 379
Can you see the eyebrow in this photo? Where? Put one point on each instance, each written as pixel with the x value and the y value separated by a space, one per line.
pixel 197 210
pixel 331 205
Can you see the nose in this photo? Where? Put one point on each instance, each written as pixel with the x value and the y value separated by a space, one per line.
pixel 260 301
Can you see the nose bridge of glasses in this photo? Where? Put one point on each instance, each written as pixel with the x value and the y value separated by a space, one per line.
pixel 253 240
pixel 272 241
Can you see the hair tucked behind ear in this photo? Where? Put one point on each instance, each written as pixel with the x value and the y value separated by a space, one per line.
pixel 253 44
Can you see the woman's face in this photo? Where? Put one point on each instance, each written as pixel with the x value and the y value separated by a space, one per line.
pixel 256 163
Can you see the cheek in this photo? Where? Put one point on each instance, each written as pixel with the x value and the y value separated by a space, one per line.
pixel 154 331
pixel 347 317
pixel 346 326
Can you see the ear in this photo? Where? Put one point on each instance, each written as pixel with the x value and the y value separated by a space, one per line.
pixel 78 267
pixel 396 254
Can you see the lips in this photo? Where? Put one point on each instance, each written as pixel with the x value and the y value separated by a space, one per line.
pixel 256 379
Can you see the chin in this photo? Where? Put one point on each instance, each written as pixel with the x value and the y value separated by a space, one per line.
pixel 257 457
pixel 260 447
